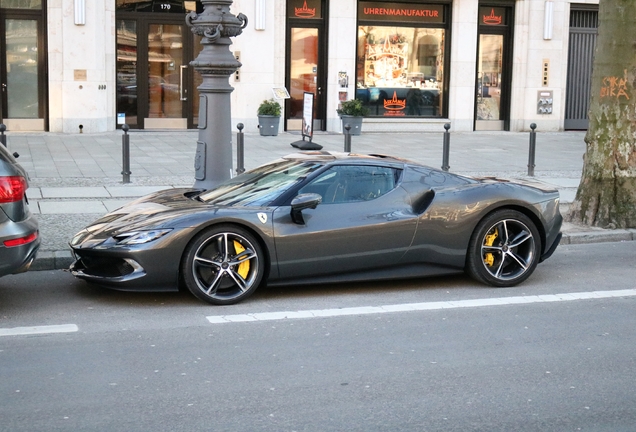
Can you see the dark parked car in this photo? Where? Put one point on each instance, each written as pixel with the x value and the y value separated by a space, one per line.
pixel 19 236
pixel 322 217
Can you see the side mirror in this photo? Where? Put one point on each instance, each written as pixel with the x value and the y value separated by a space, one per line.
pixel 303 202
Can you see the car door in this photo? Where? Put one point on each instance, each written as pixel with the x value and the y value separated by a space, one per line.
pixel 364 222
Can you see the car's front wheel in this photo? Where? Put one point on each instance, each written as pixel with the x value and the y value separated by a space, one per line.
pixel 223 265
pixel 504 249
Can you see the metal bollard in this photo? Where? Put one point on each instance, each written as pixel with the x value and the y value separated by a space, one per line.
pixel 532 150
pixel 446 149
pixel 3 137
pixel 125 148
pixel 240 149
pixel 347 138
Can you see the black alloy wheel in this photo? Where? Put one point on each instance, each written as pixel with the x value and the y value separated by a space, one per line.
pixel 504 249
pixel 223 265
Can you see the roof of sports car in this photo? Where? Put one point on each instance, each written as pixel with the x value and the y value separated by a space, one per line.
pixel 332 155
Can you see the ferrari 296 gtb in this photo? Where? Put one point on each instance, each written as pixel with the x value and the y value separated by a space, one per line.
pixel 316 217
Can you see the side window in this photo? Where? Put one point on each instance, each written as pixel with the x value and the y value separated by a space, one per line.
pixel 353 183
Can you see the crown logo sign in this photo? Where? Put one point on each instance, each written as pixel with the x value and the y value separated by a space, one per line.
pixel 395 104
pixel 305 12
pixel 492 19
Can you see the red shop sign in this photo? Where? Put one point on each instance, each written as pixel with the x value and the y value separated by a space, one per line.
pixel 492 16
pixel 405 12
pixel 306 9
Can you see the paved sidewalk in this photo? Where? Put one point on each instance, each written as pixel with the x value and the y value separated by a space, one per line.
pixel 76 178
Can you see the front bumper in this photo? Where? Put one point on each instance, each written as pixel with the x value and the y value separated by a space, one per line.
pixel 114 270
pixel 152 266
pixel 132 269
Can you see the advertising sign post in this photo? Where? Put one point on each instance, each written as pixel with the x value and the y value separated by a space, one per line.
pixel 308 125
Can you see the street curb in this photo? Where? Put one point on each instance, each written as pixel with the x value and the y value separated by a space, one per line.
pixel 48 260
pixel 61 260
pixel 599 237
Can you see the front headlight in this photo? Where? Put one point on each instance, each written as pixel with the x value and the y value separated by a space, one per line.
pixel 140 237
pixel 79 237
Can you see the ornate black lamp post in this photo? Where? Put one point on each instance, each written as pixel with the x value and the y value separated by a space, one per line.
pixel 216 25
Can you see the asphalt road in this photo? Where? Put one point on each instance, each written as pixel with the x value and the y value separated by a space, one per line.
pixel 141 362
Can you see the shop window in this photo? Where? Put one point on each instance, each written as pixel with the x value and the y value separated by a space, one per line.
pixel 21 4
pixel 402 58
pixel 401 70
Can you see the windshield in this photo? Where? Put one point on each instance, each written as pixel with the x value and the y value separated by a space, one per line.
pixel 260 186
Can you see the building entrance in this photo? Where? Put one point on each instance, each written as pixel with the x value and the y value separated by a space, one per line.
pixel 582 43
pixel 494 68
pixel 156 87
pixel 306 58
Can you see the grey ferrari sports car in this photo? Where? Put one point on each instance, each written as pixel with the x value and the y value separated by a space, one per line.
pixel 316 217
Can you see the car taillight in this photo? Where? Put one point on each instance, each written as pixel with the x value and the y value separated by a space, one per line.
pixel 12 188
pixel 22 240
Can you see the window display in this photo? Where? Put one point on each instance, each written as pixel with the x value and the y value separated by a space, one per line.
pixel 400 68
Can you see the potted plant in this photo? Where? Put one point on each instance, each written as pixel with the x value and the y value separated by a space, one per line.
pixel 269 117
pixel 351 112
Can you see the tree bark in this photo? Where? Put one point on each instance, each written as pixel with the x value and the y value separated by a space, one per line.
pixel 606 196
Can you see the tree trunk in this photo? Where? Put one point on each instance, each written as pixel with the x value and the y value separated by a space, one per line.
pixel 606 196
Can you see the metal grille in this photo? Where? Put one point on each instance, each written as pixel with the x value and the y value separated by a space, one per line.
pixel 584 19
pixel 583 31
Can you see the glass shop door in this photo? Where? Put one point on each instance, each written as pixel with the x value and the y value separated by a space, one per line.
pixel 22 72
pixel 494 68
pixel 489 73
pixel 306 58
pixel 166 87
pixel 305 75
pixel 155 83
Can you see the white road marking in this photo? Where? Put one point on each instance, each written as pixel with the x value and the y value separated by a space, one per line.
pixel 410 307
pixel 22 331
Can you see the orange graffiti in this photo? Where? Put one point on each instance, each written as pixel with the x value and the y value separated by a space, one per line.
pixel 615 87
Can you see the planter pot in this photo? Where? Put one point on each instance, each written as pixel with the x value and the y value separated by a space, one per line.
pixel 354 122
pixel 268 125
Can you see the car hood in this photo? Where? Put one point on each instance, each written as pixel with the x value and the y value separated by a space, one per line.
pixel 170 208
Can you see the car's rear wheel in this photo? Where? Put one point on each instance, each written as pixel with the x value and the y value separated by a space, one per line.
pixel 504 249
pixel 223 265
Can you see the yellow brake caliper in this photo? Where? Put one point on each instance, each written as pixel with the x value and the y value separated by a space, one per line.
pixel 244 266
pixel 489 259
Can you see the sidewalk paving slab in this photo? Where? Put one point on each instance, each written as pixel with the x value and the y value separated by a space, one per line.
pixel 71 207
pixel 74 192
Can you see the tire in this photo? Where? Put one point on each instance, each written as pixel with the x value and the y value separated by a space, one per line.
pixel 504 249
pixel 223 265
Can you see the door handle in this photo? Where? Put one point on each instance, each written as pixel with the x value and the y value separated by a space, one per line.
pixel 182 90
